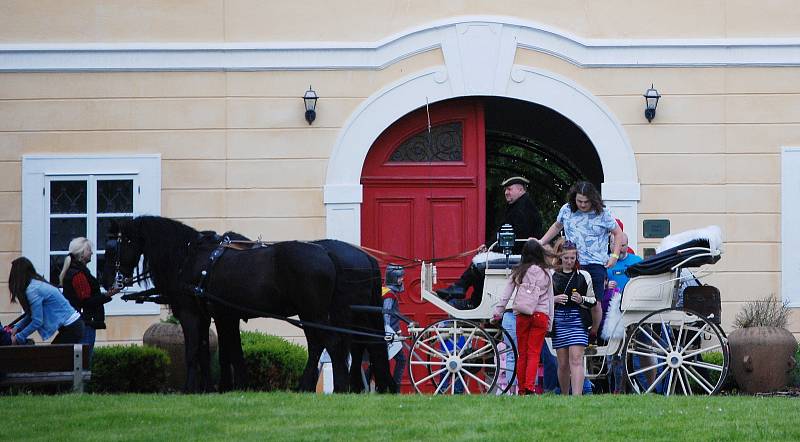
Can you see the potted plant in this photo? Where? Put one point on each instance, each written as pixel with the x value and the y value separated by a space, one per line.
pixel 762 349
pixel 167 335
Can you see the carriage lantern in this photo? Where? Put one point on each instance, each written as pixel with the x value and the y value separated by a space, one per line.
pixel 651 97
pixel 310 99
pixel 506 238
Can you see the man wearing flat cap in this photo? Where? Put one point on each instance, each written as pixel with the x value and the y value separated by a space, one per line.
pixel 523 216
pixel 521 212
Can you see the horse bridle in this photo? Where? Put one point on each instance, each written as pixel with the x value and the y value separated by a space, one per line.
pixel 120 281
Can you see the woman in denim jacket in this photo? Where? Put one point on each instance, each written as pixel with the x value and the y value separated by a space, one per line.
pixel 46 310
pixel 533 307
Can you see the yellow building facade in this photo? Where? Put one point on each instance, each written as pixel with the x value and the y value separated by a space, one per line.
pixel 198 105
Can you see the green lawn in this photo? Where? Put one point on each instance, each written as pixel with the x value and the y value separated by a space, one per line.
pixel 286 416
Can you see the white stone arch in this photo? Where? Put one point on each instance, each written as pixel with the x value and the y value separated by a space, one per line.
pixel 478 62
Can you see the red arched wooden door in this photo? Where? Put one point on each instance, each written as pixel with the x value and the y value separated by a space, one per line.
pixel 424 194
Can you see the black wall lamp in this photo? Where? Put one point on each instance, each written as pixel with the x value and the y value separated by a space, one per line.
pixel 651 97
pixel 310 100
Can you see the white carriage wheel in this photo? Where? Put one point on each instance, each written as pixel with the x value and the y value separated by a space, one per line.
pixel 454 356
pixel 676 351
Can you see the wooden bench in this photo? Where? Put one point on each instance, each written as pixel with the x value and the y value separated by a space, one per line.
pixel 45 364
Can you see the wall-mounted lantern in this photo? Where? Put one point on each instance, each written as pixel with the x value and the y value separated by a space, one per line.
pixel 651 97
pixel 310 100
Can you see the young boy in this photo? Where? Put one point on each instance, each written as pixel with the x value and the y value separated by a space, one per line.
pixel 391 292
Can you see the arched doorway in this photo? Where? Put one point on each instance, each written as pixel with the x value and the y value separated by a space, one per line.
pixel 436 193
pixel 343 192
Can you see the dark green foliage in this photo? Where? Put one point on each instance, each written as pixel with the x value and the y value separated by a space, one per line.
pixel 795 382
pixel 714 357
pixel 273 363
pixel 129 369
pixel 171 319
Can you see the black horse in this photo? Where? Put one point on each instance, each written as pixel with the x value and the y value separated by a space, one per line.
pixel 289 278
pixel 284 279
pixel 359 283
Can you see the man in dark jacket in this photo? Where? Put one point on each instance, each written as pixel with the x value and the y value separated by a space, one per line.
pixel 521 212
pixel 523 216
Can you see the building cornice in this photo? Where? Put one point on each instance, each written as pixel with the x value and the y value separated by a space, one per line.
pixel 266 56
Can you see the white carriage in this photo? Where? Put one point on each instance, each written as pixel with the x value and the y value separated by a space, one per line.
pixel 665 348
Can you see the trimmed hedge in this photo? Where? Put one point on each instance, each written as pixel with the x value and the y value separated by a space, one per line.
pixel 273 363
pixel 129 369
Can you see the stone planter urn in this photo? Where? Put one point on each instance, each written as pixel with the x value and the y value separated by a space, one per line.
pixel 169 337
pixel 762 358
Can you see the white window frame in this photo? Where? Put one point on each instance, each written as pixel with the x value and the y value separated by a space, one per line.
pixel 790 220
pixel 92 181
pixel 39 170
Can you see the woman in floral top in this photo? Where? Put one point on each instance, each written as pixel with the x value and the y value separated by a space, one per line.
pixel 588 224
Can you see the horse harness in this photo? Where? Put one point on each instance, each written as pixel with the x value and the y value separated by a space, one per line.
pixel 224 243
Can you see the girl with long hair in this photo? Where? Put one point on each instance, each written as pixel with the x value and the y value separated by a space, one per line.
pixel 46 310
pixel 573 292
pixel 532 287
pixel 588 224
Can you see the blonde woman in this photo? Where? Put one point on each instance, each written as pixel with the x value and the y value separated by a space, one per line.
pixel 82 290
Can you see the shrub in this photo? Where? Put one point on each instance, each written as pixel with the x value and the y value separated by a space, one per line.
pixel 796 370
pixel 767 312
pixel 273 363
pixel 129 369
pixel 715 358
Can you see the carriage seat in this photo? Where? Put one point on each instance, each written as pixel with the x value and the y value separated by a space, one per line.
pixel 663 262
pixel 494 260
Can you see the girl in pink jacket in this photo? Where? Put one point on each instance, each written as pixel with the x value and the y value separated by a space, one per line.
pixel 533 307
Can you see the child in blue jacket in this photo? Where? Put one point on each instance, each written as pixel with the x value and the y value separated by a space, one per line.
pixel 46 309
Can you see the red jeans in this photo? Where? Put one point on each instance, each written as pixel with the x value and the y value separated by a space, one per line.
pixel 530 336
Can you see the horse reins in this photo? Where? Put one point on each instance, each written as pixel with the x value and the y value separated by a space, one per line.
pixel 388 337
pixel 413 262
